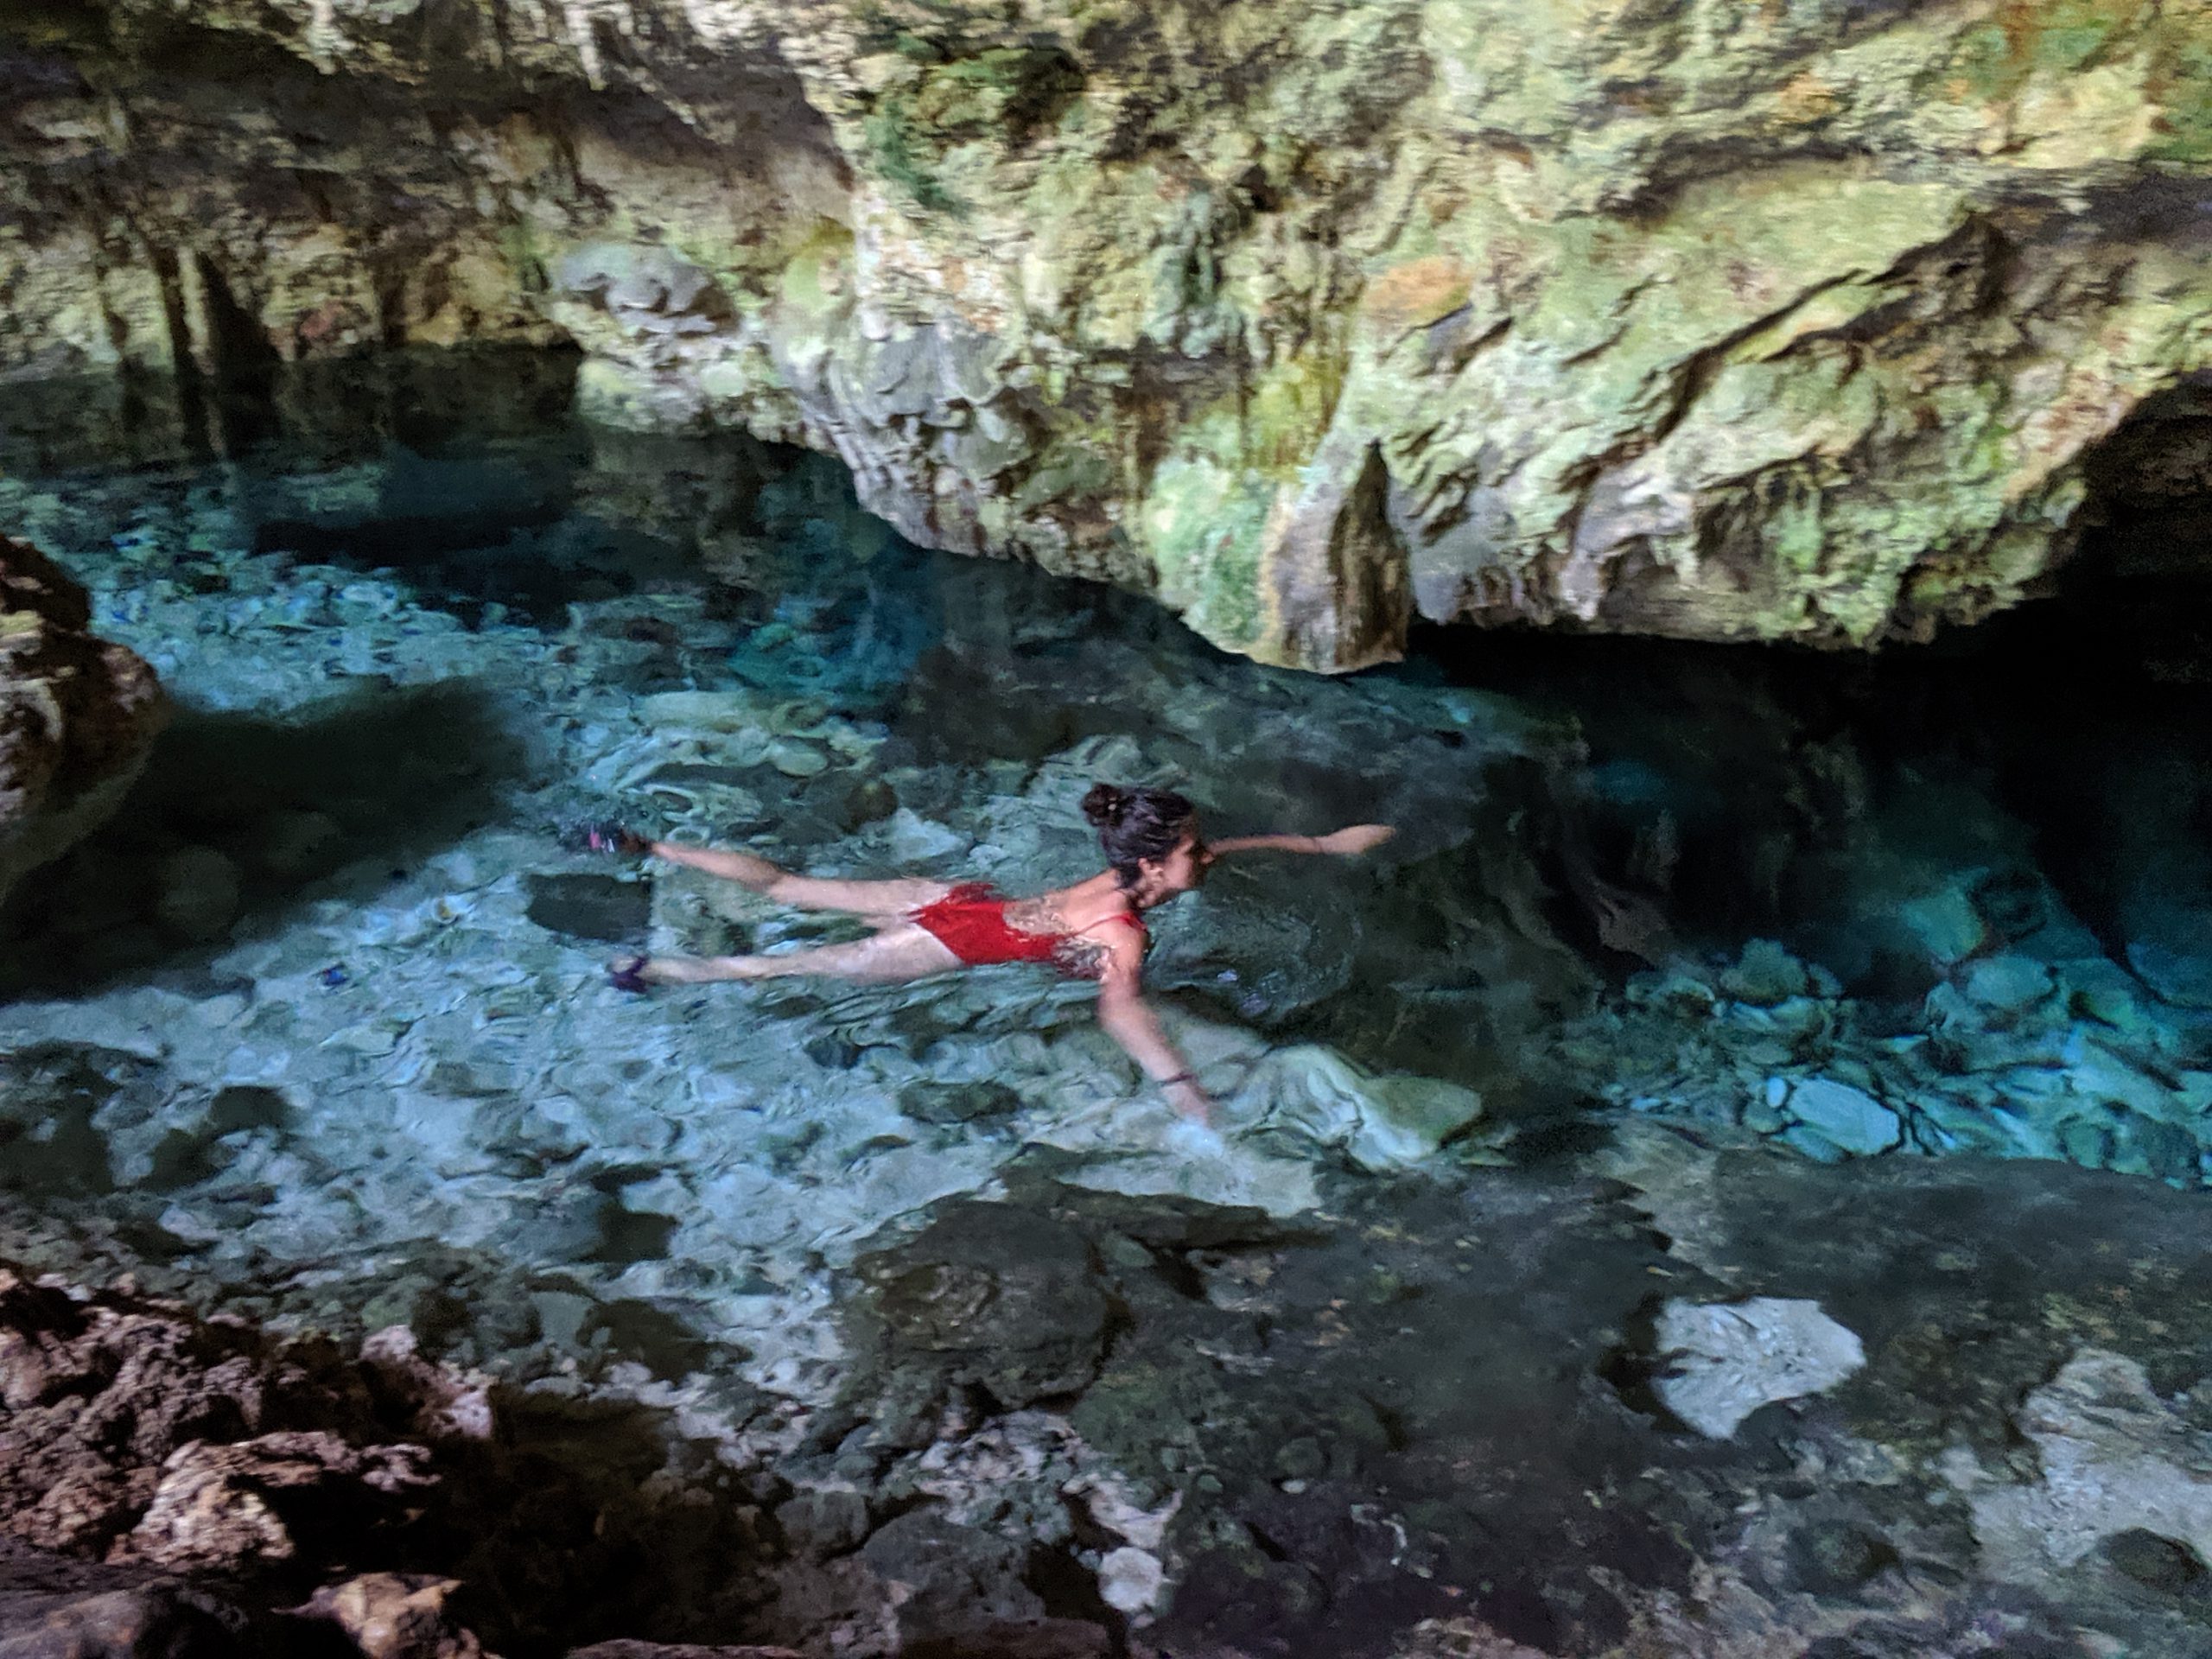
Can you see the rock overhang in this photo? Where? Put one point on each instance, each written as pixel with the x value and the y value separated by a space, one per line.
pixel 1312 322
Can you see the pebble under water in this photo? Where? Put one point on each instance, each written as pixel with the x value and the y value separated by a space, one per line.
pixel 1696 977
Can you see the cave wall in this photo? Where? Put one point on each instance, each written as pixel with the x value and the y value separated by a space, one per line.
pixel 1702 318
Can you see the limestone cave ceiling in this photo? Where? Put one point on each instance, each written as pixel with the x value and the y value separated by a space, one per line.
pixel 1689 318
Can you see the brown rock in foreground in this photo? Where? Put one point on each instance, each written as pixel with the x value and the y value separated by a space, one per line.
pixel 77 714
pixel 394 1616
pixel 132 1431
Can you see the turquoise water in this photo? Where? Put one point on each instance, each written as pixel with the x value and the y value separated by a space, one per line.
pixel 1949 900
pixel 318 1029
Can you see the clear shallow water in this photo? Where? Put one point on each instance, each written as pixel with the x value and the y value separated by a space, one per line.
pixel 403 654
pixel 318 1028
pixel 412 623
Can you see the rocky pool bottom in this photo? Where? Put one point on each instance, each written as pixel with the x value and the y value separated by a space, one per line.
pixel 1432 1422
pixel 1727 1179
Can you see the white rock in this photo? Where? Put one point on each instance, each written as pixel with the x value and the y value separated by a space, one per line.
pixel 1106 1494
pixel 1130 1580
pixel 797 760
pixel 1851 1117
pixel 1381 1122
pixel 713 711
pixel 1730 1358
pixel 914 839
pixel 2115 1458
pixel 1946 922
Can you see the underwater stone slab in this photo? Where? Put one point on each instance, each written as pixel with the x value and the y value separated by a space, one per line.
pixel 2095 1071
pixel 1728 1359
pixel 1380 1122
pixel 2007 984
pixel 1813 1144
pixel 993 1296
pixel 1850 1118
pixel 1947 923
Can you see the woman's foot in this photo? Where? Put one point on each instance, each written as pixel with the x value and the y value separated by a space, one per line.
pixel 627 974
pixel 606 836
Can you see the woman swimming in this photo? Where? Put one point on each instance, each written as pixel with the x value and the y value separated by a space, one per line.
pixel 1093 929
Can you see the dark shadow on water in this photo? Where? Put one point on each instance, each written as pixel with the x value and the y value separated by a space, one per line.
pixel 2078 724
pixel 240 819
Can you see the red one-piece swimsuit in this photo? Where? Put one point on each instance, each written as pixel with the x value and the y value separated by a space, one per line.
pixel 970 922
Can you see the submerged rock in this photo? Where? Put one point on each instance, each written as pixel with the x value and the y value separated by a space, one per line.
pixel 1848 1118
pixel 1766 974
pixel 2116 1459
pixel 1379 1122
pixel 2007 985
pixel 995 1297
pixel 1725 1360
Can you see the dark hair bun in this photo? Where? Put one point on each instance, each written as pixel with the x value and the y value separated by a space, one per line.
pixel 1104 804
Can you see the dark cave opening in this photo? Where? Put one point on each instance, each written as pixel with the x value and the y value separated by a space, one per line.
pixel 1729 786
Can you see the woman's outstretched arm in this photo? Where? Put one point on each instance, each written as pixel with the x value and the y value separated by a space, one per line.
pixel 1353 838
pixel 1130 1022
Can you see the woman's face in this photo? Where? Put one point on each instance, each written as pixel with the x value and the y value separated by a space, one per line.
pixel 1183 868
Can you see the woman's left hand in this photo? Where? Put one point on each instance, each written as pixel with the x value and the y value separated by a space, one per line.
pixel 1355 838
pixel 1191 1102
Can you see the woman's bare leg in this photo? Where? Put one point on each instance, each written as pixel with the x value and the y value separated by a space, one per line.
pixel 804 891
pixel 897 953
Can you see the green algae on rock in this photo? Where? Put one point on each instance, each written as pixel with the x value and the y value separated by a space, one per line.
pixel 1311 320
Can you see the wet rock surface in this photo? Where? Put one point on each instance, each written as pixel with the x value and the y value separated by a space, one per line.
pixel 1008 1303
pixel 57 1607
pixel 135 1434
pixel 1406 1428
pixel 77 714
